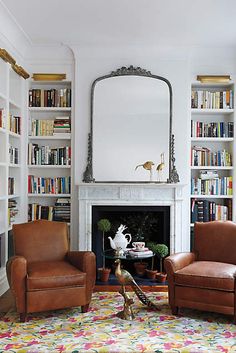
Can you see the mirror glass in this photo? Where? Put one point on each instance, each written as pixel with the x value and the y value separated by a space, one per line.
pixel 130 126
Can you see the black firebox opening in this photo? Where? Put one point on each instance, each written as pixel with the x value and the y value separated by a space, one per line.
pixel 144 223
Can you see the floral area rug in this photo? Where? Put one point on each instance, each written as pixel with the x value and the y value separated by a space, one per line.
pixel 100 330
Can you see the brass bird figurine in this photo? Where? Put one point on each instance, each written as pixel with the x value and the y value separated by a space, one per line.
pixel 147 165
pixel 125 278
pixel 160 166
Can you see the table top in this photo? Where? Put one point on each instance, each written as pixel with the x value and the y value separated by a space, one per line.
pixel 111 254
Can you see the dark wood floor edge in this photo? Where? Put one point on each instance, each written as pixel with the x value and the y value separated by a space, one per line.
pixel 116 288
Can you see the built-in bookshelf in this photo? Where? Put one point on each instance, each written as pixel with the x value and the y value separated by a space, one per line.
pixel 49 151
pixel 212 152
pixel 12 166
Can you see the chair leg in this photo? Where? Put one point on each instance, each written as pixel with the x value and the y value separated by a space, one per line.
pixel 84 308
pixel 174 310
pixel 22 317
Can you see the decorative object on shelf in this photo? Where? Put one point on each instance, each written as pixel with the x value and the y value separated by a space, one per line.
pixel 148 166
pixel 213 78
pixel 48 77
pixel 7 57
pixel 120 241
pixel 160 167
pixel 125 278
pixel 20 71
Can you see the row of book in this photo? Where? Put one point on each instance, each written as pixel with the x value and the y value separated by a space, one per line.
pixel 11 185
pixel 59 212
pixel 45 185
pixel 46 155
pixel 202 156
pixel 205 211
pixel 14 123
pixel 52 127
pixel 13 154
pixel 50 97
pixel 3 118
pixel 12 211
pixel 217 186
pixel 213 129
pixel 207 99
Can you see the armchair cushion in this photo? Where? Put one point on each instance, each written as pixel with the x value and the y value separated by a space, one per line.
pixel 207 274
pixel 54 274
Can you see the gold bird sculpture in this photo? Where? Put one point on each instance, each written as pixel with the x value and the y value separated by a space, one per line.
pixel 160 166
pixel 125 278
pixel 147 165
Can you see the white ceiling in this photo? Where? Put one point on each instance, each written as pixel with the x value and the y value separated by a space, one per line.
pixel 105 22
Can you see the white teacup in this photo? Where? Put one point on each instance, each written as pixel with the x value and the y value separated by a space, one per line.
pixel 138 245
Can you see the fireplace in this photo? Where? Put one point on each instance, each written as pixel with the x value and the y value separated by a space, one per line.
pixel 132 195
pixel 144 223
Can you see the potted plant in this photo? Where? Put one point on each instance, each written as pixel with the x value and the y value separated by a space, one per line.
pixel 104 225
pixel 161 250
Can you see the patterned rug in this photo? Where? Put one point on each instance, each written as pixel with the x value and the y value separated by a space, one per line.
pixel 100 330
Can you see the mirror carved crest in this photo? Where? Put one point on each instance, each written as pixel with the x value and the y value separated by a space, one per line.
pixel 130 136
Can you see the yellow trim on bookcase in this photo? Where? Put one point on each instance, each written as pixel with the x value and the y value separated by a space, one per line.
pixel 48 77
pixel 9 59
pixel 213 78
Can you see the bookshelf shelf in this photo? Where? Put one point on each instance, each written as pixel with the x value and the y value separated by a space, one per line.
pixel 49 195
pixel 211 196
pixel 210 168
pixel 49 109
pixel 50 137
pixel 49 166
pixel 212 142
pixel 212 139
pixel 211 111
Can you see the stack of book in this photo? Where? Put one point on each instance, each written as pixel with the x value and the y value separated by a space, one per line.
pixel 50 97
pixel 3 118
pixel 202 156
pixel 46 155
pixel 140 253
pixel 61 126
pixel 11 185
pixel 13 155
pixel 62 210
pixel 213 129
pixel 12 211
pixel 42 127
pixel 41 185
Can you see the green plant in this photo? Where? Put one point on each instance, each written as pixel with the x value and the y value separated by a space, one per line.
pixel 104 225
pixel 161 250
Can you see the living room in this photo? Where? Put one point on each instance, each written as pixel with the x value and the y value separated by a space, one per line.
pixel 69 74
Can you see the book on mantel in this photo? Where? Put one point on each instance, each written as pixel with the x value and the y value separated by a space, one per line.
pixel 143 253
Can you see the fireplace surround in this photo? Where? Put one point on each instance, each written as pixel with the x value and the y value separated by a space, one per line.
pixel 130 194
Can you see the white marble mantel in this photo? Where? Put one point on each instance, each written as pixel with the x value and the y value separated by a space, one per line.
pixel 126 194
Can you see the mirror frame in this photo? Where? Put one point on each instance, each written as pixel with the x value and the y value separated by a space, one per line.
pixel 130 71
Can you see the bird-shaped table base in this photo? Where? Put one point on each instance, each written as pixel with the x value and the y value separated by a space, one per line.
pixel 125 278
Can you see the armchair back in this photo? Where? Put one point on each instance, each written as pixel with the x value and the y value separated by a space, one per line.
pixel 41 240
pixel 215 241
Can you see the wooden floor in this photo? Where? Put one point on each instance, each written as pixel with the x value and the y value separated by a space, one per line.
pixel 7 301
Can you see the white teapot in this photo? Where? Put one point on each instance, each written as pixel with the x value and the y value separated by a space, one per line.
pixel 120 241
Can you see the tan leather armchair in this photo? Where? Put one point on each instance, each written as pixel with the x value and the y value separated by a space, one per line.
pixel 44 274
pixel 205 278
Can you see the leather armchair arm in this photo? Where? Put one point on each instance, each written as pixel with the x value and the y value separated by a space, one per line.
pixel 177 261
pixel 85 261
pixel 16 274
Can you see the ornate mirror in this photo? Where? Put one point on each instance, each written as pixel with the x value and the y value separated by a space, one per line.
pixel 131 136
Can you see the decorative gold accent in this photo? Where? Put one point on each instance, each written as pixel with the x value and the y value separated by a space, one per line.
pixel 20 71
pixel 49 77
pixel 213 78
pixel 7 57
